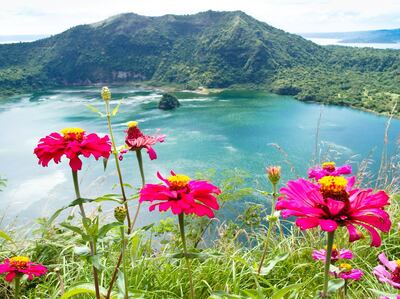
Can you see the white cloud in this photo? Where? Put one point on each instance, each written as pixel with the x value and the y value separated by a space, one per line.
pixel 50 17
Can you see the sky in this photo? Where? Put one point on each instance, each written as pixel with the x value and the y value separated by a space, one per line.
pixel 297 16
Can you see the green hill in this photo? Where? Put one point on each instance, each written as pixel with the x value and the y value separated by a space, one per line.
pixel 213 49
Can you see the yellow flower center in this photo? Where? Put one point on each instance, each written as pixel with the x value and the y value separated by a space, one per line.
pixel 345 267
pixel 178 181
pixel 73 133
pixel 398 263
pixel 132 124
pixel 333 183
pixel 19 261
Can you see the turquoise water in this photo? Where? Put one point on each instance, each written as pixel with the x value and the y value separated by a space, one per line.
pixel 235 129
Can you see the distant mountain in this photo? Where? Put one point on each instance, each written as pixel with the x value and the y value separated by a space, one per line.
pixel 213 49
pixel 372 36
pixel 210 48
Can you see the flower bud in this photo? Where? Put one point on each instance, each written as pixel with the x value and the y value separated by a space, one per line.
pixel 120 213
pixel 105 94
pixel 274 174
pixel 272 218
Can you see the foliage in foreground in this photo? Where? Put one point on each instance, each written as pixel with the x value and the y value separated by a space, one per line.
pixel 224 268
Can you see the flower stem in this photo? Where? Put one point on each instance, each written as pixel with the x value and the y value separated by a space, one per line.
pixel 124 267
pixel 189 267
pixel 91 243
pixel 331 236
pixel 270 227
pixel 115 153
pixel 77 192
pixel 140 162
pixel 17 281
pixel 345 289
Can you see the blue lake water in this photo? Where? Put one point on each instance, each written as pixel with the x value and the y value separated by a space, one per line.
pixel 232 129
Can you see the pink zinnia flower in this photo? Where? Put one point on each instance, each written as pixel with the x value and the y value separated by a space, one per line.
pixel 336 254
pixel 72 142
pixel 136 140
pixel 328 169
pixel 388 272
pixel 332 203
pixel 347 272
pixel 21 265
pixel 182 195
pixel 385 297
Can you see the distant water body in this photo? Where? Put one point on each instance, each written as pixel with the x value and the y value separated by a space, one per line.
pixel 336 42
pixel 232 129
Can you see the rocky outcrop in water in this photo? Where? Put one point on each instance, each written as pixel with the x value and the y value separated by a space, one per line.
pixel 168 102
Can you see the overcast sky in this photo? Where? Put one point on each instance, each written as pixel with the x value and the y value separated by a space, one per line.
pixel 54 16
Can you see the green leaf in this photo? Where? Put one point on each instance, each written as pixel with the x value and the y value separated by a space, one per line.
pixel 78 201
pixel 190 255
pixel 75 229
pixel 121 284
pixel 81 289
pixel 147 227
pixel 95 260
pixel 223 295
pixel 95 110
pixel 109 197
pixel 106 228
pixel 115 110
pixel 55 215
pixel 335 284
pixel 282 292
pixel 272 263
pixel 4 236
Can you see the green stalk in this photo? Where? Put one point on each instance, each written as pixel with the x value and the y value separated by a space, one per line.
pixel 17 281
pixel 140 162
pixel 189 267
pixel 91 243
pixel 124 267
pixel 270 227
pixel 331 236
pixel 115 153
pixel 77 192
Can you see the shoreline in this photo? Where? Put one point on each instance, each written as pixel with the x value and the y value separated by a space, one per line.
pixel 180 88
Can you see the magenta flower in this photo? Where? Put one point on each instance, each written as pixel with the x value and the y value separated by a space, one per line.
pixel 385 297
pixel 336 254
pixel 182 195
pixel 332 203
pixel 328 169
pixel 347 272
pixel 136 140
pixel 72 142
pixel 388 271
pixel 21 265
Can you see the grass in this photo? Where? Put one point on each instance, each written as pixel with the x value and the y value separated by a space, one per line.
pixel 223 268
